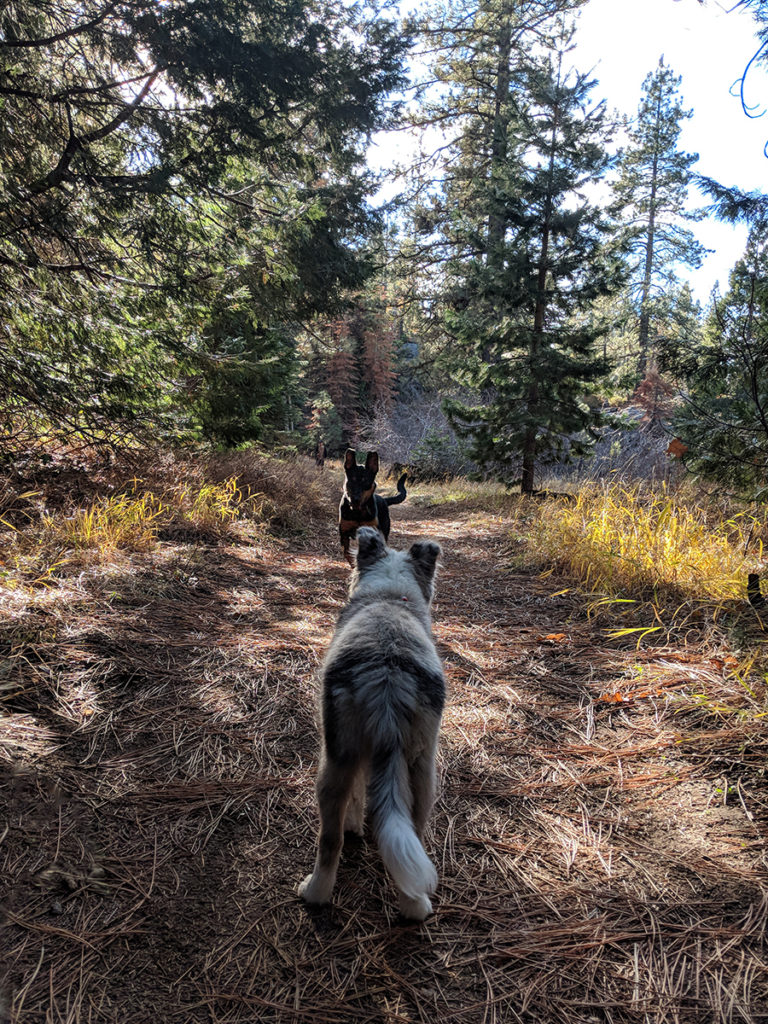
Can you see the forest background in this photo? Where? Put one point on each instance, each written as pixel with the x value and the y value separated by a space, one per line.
pixel 191 253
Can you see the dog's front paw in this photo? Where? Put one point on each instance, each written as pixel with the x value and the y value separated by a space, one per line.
pixel 311 891
pixel 415 908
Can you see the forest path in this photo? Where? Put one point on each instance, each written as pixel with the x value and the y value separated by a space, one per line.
pixel 596 862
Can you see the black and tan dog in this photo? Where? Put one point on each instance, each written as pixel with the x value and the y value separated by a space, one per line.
pixel 360 505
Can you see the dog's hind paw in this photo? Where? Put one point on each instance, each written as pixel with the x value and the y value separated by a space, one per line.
pixel 415 908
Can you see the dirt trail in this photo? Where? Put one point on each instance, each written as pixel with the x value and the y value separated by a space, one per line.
pixel 596 862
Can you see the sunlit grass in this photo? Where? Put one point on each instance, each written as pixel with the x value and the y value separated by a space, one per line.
pixel 630 544
pixel 212 505
pixel 485 494
pixel 129 521
pixel 119 521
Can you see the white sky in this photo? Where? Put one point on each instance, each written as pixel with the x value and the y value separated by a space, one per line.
pixel 622 40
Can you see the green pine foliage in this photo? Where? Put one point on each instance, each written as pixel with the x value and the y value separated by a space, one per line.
pixel 188 250
pixel 679 333
pixel 156 158
pixel 530 259
pixel 724 420
pixel 734 205
pixel 651 194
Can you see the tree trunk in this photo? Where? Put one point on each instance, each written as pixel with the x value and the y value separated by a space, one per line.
pixel 532 399
pixel 497 218
pixel 499 130
pixel 645 294
pixel 528 477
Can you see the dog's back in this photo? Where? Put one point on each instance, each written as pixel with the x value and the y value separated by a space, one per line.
pixel 383 695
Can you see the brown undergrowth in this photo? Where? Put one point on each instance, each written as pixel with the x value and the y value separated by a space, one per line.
pixel 600 832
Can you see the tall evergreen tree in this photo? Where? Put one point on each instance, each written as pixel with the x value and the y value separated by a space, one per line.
pixel 652 189
pixel 528 255
pixel 481 54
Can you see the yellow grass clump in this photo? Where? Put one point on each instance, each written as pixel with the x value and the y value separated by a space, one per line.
pixel 211 505
pixel 627 543
pixel 119 521
pixel 131 520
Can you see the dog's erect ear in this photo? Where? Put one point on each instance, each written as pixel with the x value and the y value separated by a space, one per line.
pixel 370 547
pixel 350 459
pixel 372 462
pixel 424 555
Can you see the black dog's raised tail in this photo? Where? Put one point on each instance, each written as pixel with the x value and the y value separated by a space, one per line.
pixel 402 494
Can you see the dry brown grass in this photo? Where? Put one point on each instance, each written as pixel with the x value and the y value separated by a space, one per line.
pixel 600 833
pixel 65 518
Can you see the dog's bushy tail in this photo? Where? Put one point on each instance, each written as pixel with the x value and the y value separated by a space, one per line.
pixel 389 805
pixel 402 494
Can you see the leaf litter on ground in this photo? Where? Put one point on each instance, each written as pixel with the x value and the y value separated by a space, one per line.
pixel 599 835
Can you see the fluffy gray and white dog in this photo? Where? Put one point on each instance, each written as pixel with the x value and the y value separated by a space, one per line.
pixel 383 692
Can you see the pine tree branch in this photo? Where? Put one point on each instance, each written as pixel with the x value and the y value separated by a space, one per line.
pixel 57 175
pixel 733 205
pixel 58 37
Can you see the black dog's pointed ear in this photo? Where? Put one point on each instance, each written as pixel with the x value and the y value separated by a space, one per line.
pixel 372 462
pixel 424 555
pixel 370 547
pixel 350 458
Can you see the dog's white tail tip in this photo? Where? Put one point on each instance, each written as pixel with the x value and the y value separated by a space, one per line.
pixel 415 910
pixel 406 860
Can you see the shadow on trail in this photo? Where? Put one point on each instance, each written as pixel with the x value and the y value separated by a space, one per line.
pixel 170 741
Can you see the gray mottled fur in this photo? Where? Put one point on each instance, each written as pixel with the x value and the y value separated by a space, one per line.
pixel 382 700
